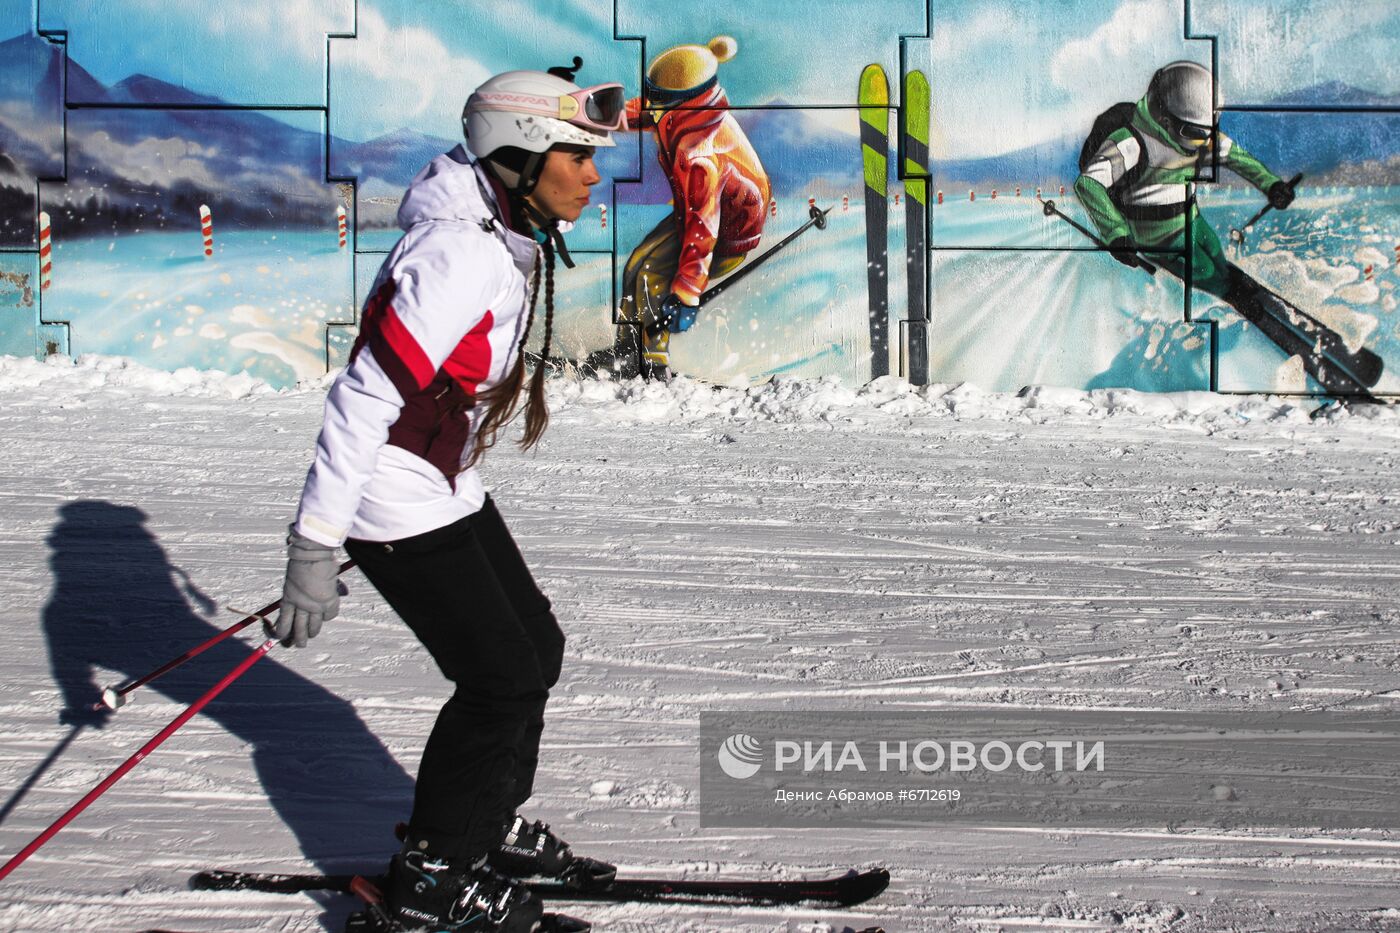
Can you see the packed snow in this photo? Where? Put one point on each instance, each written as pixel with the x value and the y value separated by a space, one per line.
pixel 799 544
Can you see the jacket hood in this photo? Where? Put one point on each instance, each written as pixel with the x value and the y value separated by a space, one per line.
pixel 449 188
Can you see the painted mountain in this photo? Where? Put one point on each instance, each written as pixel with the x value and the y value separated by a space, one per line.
pixel 130 166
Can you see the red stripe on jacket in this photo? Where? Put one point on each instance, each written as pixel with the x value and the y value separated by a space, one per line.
pixel 470 361
pixel 395 348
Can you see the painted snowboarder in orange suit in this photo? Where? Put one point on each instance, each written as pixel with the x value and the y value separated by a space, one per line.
pixel 720 192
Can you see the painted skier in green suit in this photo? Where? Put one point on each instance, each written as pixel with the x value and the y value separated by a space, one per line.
pixel 1136 182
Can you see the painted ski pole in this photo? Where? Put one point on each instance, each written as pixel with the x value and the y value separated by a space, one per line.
pixel 818 220
pixel 1239 235
pixel 1052 211
pixel 107 782
pixel 116 697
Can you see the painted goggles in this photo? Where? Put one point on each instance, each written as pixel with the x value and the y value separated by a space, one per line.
pixel 602 107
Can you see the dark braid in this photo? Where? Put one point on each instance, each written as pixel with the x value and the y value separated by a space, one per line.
pixel 536 409
pixel 502 400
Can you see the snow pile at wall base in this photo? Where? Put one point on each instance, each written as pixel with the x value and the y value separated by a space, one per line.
pixel 782 400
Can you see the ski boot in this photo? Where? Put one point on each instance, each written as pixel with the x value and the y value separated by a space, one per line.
pixel 424 893
pixel 530 850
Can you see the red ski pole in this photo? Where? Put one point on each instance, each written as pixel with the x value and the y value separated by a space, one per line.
pixel 137 758
pixel 115 697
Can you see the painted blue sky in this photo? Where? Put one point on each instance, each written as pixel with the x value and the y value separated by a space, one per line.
pixel 1005 74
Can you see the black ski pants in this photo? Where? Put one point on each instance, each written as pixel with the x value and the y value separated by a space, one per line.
pixel 465 591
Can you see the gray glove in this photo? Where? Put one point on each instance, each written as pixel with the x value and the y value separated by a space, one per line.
pixel 310 595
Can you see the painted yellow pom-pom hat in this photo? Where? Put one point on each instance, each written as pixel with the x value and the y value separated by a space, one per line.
pixel 687 71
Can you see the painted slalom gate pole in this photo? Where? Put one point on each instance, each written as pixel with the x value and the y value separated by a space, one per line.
pixel 916 184
pixel 45 252
pixel 115 698
pixel 206 226
pixel 874 101
pixel 190 711
pixel 339 223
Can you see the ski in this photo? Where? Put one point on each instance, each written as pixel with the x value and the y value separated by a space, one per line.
pixel 1363 364
pixel 916 184
pixel 1324 354
pixel 846 890
pixel 874 100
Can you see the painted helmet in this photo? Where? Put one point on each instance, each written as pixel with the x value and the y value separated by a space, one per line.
pixel 514 118
pixel 1181 98
pixel 687 71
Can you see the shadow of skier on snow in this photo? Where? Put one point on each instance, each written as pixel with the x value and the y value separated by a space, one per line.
pixel 119 604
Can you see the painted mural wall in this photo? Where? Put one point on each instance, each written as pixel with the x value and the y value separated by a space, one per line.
pixel 1006 194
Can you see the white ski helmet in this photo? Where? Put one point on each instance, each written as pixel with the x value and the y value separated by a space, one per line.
pixel 514 118
pixel 1181 98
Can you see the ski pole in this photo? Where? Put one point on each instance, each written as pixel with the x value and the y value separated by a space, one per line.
pixel 1052 211
pixel 136 759
pixel 115 698
pixel 818 220
pixel 1238 235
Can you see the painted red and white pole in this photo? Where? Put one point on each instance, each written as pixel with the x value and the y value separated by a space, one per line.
pixel 206 226
pixel 45 252
pixel 971 195
pixel 339 223
pixel 994 194
pixel 940 197
pixel 1062 190
pixel 896 199
pixel 1018 191
pixel 845 203
pixel 811 203
pixel 1037 191
pixel 603 210
pixel 773 210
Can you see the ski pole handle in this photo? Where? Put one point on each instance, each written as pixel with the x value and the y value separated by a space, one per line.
pixel 115 698
pixel 137 758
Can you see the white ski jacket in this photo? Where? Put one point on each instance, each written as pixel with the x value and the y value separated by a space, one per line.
pixel 442 323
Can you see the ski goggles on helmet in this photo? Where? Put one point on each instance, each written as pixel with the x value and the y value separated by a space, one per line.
pixel 602 107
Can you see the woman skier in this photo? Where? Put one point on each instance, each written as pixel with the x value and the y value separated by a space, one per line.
pixel 435 374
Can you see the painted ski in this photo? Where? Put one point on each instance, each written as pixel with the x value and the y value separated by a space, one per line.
pixel 916 188
pixel 874 102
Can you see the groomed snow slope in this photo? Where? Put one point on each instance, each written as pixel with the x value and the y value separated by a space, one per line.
pixel 798 545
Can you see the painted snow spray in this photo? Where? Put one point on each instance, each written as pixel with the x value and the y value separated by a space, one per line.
pixel 45 252
pixel 206 226
pixel 339 223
